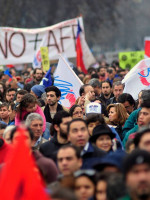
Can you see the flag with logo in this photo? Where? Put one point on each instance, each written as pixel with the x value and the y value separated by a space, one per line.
pixel 138 78
pixel 68 83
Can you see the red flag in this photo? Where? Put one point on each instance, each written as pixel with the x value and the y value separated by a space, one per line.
pixel 80 63
pixel 20 178
pixel 147 48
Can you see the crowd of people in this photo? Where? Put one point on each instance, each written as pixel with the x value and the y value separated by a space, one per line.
pixel 97 149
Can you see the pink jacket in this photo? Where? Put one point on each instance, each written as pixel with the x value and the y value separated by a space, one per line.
pixel 38 110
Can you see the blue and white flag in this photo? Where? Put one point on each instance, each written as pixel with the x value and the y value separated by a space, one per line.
pixel 47 80
pixel 68 83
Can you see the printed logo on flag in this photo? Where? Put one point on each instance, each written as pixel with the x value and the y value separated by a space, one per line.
pixel 144 77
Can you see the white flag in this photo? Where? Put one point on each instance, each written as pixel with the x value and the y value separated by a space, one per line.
pixel 138 78
pixel 68 83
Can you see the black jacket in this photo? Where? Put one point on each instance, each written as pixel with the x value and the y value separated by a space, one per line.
pixel 47 112
pixel 49 149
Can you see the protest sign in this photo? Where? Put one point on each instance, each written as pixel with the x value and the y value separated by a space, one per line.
pixel 130 59
pixel 19 45
pixel 45 58
pixel 68 83
pixel 138 78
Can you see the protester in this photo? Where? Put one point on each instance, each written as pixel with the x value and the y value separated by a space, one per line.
pixel 85 181
pixel 128 102
pixel 117 117
pixel 34 121
pixel 78 135
pixel 59 132
pixel 28 105
pixel 94 82
pixel 4 114
pixel 137 175
pixel 68 159
pixel 117 90
pixel 102 137
pixel 53 95
pixel 76 111
pixel 106 93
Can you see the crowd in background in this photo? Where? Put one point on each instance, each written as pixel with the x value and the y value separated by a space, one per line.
pixel 97 149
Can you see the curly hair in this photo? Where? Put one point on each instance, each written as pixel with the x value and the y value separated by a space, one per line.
pixel 121 113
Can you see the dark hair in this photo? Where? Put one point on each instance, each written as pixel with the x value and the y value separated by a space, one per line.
pixel 95 118
pixel 91 69
pixel 94 76
pixel 89 173
pixel 12 105
pixel 76 149
pixel 106 81
pixel 21 92
pixel 126 97
pixel 81 91
pixel 73 108
pixel 34 71
pixel 145 95
pixel 75 120
pixel 59 116
pixel 54 89
pixel 26 100
pixel 2 126
pixel 10 90
pixel 16 128
pixel 139 135
pixel 4 105
pixel 116 187
pixel 145 104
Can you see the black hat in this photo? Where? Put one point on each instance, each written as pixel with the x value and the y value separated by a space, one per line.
pixel 99 130
pixel 136 157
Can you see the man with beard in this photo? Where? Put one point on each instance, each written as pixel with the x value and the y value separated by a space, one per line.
pixel 137 175
pixel 59 126
pixel 102 73
pixel 106 92
pixel 38 75
pixel 53 95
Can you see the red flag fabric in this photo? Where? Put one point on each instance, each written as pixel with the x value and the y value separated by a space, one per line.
pixel 20 178
pixel 147 48
pixel 80 63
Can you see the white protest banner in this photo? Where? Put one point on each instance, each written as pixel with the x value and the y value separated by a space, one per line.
pixel 19 45
pixel 138 78
pixel 68 83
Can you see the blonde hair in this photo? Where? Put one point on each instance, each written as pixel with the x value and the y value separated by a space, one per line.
pixel 122 115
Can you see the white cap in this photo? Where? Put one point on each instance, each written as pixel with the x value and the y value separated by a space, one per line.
pixel 93 108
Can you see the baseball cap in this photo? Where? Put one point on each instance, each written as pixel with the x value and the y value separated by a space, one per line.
pixel 93 108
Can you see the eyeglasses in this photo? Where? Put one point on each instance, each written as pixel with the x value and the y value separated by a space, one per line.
pixel 89 172
pixel 77 113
